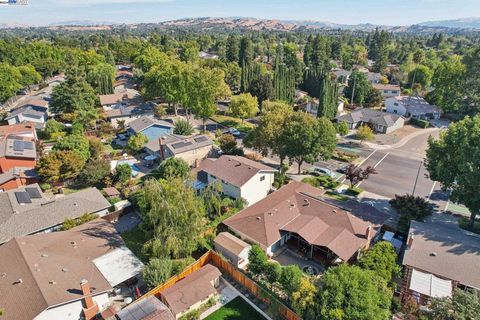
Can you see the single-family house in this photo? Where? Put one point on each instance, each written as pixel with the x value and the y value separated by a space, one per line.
pixel 439 258
pixel 207 55
pixel 127 114
pixel 342 76
pixel 241 178
pixel 373 77
pixel 191 292
pixel 66 275
pixel 311 107
pixel 298 217
pixel 112 101
pixel 152 128
pixel 388 90
pixel 412 107
pixel 191 149
pixel 35 112
pixel 149 308
pixel 17 146
pixel 17 177
pixel 233 249
pixel 27 210
pixel 381 122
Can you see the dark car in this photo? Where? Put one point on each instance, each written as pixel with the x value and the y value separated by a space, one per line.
pixel 342 169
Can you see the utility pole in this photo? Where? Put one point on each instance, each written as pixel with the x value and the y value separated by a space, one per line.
pixel 416 179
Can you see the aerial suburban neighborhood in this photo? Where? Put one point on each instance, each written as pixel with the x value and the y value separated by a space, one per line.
pixel 157 167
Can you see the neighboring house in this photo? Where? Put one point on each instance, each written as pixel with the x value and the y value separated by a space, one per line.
pixel 27 210
pixel 241 178
pixel 66 275
pixel 149 308
pixel 388 90
pixel 112 101
pixel 152 128
pixel 17 177
pixel 191 292
pixel 233 249
pixel 381 122
pixel 191 149
pixel 207 55
pixel 111 192
pixel 296 216
pixel 33 112
pixel 374 77
pixel 342 75
pixel 17 146
pixel 311 107
pixel 412 107
pixel 127 114
pixel 439 258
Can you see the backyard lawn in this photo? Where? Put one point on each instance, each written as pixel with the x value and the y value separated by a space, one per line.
pixel 228 122
pixel 237 309
pixel 134 240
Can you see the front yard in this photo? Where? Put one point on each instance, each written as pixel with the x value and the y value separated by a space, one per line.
pixel 237 309
pixel 229 122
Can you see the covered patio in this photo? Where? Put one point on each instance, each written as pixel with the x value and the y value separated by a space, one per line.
pixel 318 254
pixel 287 257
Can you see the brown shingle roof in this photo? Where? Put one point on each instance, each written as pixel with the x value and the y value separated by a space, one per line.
pixel 234 170
pixel 297 208
pixel 380 86
pixel 445 250
pixel 231 243
pixel 194 288
pixel 51 266
pixel 112 98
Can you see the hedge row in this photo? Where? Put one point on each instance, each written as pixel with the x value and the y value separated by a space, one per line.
pixel 420 123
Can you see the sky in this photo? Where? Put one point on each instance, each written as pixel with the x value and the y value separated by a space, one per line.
pixel 385 12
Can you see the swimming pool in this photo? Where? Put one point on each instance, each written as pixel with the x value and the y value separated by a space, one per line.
pixel 132 163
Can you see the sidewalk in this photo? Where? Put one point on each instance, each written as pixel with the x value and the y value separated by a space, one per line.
pixel 402 142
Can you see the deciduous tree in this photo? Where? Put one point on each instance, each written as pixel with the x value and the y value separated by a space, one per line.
pixel 243 106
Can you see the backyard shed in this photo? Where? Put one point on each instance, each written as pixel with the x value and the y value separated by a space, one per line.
pixel 232 248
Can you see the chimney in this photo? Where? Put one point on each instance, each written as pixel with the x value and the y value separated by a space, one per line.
pixel 410 240
pixel 91 308
pixel 162 152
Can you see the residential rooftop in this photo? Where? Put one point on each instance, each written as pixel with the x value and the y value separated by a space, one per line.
pixel 27 210
pixel 231 242
pixel 143 123
pixel 370 116
pixel 446 250
pixel 108 99
pixel 416 105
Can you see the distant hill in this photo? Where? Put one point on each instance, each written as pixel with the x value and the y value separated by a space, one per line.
pixel 466 23
pixel 83 23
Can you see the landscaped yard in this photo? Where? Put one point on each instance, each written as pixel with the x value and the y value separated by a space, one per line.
pixel 227 121
pixel 135 239
pixel 237 309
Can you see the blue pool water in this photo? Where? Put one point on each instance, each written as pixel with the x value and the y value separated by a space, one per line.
pixel 135 169
pixel 156 131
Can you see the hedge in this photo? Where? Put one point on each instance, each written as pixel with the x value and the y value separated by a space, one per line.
pixel 420 123
pixel 354 191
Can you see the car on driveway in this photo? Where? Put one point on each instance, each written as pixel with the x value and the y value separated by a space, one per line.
pixel 317 171
pixel 234 132
pixel 342 169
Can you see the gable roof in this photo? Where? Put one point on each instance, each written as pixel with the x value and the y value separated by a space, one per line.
pixel 132 110
pixel 140 124
pixel 107 99
pixel 40 212
pixel 188 144
pixel 417 105
pixel 370 116
pixel 17 172
pixel 193 288
pixel 445 250
pixel 298 208
pixel 51 266
pixel 380 86
pixel 234 170
pixel 231 243
pixel 29 110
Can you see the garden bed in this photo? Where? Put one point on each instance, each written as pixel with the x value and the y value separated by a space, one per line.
pixel 237 309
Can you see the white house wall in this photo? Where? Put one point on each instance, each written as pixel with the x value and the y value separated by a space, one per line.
pixel 395 109
pixel 73 310
pixel 255 190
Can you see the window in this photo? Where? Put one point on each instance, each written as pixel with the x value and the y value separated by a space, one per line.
pixel 262 178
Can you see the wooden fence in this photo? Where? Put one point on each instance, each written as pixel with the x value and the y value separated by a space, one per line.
pixel 227 268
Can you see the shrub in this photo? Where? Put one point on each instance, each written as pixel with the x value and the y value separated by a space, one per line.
pixel 157 271
pixel 183 128
pixel 172 168
pixel 354 191
pixel 410 207
pixel 420 123
pixel 45 186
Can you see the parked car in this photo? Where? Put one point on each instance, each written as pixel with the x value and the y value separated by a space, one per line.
pixel 317 171
pixel 342 169
pixel 234 132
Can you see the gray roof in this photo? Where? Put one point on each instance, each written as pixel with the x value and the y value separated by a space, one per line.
pixel 372 76
pixel 189 144
pixel 443 249
pixel 370 116
pixel 15 172
pixel 143 123
pixel 17 147
pixel 417 105
pixel 137 110
pixel 148 308
pixel 40 213
pixel 28 110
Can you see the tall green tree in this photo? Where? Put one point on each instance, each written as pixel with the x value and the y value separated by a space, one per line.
pixel 382 260
pixel 246 53
pixel 453 160
pixel 243 106
pixel 328 97
pixel 463 305
pixel 74 142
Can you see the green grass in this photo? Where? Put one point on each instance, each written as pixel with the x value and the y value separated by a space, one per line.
pixel 459 209
pixel 464 223
pixel 354 191
pixel 335 196
pixel 322 182
pixel 227 121
pixel 237 309
pixel 135 239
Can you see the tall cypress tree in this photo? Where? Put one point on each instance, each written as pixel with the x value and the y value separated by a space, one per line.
pixel 328 97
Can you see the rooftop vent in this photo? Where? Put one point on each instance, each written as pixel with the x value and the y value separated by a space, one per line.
pixel 52 282
pixel 433 254
pixel 259 218
pixel 73 243
pixel 334 211
pixel 3 275
pixel 44 255
pixel 65 270
pixel 19 281
pixel 75 204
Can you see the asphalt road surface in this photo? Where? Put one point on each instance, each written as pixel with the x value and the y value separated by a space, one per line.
pixel 401 170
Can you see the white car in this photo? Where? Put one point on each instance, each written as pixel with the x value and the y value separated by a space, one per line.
pixel 234 132
pixel 316 171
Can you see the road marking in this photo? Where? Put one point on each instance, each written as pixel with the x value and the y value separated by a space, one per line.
pixel 359 165
pixel 431 191
pixel 376 165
